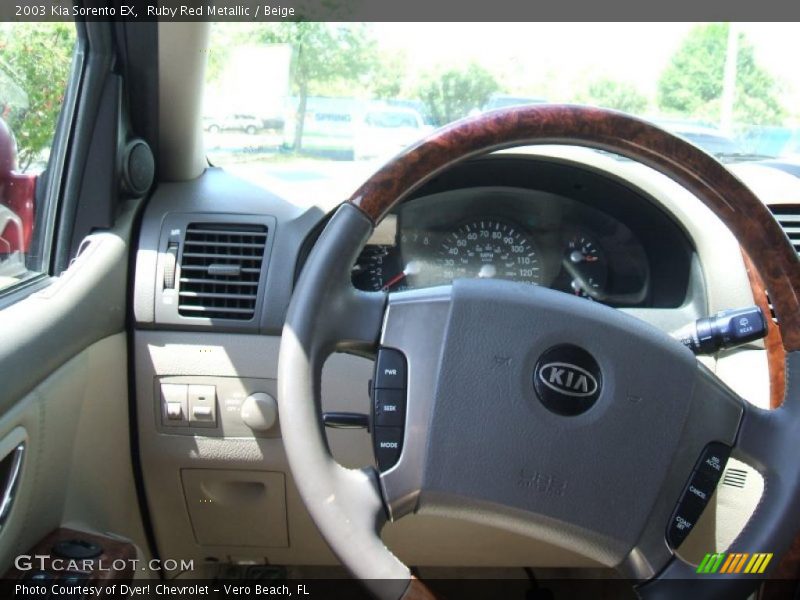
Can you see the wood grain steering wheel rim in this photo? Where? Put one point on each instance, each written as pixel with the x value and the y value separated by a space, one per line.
pixel 321 320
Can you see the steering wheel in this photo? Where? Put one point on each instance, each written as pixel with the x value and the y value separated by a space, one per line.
pixel 532 410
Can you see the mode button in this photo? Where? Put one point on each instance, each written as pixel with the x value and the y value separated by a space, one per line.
pixel 388 445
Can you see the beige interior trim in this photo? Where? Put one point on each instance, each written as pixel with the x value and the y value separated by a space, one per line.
pixel 182 54
pixel 77 468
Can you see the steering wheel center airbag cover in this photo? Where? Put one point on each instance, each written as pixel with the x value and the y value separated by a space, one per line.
pixel 492 441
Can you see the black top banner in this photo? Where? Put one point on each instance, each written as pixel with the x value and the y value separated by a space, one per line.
pixel 401 10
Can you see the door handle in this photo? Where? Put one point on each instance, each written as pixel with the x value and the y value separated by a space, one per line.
pixel 11 480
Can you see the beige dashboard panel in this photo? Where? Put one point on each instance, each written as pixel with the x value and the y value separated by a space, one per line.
pixel 230 508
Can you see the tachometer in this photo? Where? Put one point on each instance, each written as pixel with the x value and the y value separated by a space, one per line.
pixel 489 248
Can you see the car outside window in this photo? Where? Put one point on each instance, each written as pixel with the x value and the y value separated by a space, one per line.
pixel 35 64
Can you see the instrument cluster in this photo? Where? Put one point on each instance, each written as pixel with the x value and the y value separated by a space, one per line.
pixel 516 234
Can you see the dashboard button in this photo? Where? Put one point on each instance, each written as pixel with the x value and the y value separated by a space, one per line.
pixel 202 406
pixel 390 408
pixel 388 445
pixel 390 370
pixel 174 405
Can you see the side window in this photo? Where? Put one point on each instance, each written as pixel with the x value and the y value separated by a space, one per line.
pixel 35 61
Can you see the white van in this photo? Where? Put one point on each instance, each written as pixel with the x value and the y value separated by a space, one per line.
pixel 385 131
pixel 355 129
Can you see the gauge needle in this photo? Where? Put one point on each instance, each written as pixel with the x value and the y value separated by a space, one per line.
pixel 579 281
pixel 412 268
pixel 577 256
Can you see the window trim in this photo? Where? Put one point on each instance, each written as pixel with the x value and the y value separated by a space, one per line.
pixel 62 143
pixel 98 54
pixel 53 179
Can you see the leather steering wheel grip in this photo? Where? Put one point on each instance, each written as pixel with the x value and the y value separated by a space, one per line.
pixel 346 505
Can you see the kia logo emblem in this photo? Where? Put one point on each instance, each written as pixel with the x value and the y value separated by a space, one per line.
pixel 567 380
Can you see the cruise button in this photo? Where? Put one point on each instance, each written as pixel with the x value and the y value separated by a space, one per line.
pixel 684 519
pixel 702 485
pixel 712 461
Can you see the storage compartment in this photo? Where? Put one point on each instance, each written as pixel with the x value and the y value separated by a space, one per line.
pixel 236 508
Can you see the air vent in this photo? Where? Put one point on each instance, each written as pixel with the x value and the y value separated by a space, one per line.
pixel 220 270
pixel 734 477
pixel 789 219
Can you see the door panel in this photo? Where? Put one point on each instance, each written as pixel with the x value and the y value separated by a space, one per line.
pixel 85 304
pixel 63 368
pixel 77 469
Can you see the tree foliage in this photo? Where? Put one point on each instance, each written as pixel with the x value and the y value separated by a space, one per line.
pixel 323 54
pixel 692 82
pixel 388 77
pixel 35 61
pixel 619 95
pixel 453 93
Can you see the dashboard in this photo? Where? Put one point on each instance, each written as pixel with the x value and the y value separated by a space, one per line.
pixel 593 242
pixel 582 223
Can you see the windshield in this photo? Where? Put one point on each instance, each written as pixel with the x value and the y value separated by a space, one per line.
pixel 326 103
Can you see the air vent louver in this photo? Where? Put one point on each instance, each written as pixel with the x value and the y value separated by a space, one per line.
pixel 220 270
pixel 734 477
pixel 789 219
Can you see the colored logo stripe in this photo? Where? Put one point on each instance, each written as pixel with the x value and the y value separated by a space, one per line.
pixel 730 563
pixel 710 563
pixel 734 563
pixel 758 563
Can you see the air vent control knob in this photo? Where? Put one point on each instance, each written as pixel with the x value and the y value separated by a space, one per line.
pixel 170 265
pixel 259 411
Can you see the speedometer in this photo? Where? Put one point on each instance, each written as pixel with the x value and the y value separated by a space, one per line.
pixel 489 248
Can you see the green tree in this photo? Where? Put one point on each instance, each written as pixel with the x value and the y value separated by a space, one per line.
pixel 691 84
pixel 323 54
pixel 619 95
pixel 34 59
pixel 388 76
pixel 452 94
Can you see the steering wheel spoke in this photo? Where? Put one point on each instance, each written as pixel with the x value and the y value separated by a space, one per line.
pixel 415 325
pixel 706 441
